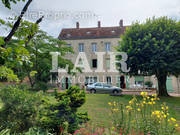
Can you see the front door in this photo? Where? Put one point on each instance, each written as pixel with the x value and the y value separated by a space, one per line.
pixel 66 83
pixel 169 84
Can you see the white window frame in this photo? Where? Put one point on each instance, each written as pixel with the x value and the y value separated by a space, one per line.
pixel 107 46
pixel 81 47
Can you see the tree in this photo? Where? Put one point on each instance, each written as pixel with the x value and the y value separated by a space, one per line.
pixel 153 48
pixel 4 51
pixel 7 3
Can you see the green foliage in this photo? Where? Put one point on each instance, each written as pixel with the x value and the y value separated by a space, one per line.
pixel 153 48
pixel 41 86
pixel 7 3
pixel 32 131
pixel 30 57
pixel 63 113
pixel 7 73
pixel 40 47
pixel 148 83
pixel 20 109
pixel 143 116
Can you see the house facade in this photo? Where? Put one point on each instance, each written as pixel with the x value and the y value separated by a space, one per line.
pixel 93 48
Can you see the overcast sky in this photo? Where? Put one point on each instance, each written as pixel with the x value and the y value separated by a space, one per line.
pixel 65 13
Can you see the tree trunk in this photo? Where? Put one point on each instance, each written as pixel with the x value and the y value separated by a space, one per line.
pixel 162 89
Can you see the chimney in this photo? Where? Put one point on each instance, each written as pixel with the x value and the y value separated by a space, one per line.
pixel 99 24
pixel 77 25
pixel 121 23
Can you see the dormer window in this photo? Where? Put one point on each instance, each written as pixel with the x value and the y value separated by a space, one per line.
pixel 68 35
pixel 113 31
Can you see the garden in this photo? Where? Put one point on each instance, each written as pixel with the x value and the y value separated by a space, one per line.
pixel 74 112
pixel 26 108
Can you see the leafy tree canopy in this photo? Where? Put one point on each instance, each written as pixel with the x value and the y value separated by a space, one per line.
pixel 7 3
pixel 153 48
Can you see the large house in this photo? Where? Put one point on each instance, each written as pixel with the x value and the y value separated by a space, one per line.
pixel 87 43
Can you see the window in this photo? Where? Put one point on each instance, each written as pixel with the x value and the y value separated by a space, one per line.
pixel 81 47
pixel 107 86
pixel 107 63
pixel 108 79
pixel 94 63
pixel 94 49
pixel 90 80
pixel 107 47
pixel 68 45
pixel 68 35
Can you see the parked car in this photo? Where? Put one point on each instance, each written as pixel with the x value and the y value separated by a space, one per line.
pixel 100 87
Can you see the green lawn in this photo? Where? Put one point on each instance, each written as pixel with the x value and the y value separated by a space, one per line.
pixel 99 110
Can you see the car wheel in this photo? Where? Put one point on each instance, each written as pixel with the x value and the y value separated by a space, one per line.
pixel 93 91
pixel 115 92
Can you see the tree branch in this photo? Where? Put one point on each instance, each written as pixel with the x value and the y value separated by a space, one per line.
pixel 16 24
pixel 31 36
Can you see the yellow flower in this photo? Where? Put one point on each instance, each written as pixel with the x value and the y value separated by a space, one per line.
pixel 165 116
pixel 142 93
pixel 153 102
pixel 129 108
pixel 166 107
pixel 138 109
pixel 152 99
pixel 114 103
pixel 113 128
pixel 130 102
pixel 115 110
pixel 150 103
pixel 176 125
pixel 172 119
pixel 109 103
pixel 162 108
pixel 148 97
pixel 144 102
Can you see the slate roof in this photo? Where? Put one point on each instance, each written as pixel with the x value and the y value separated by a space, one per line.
pixel 91 33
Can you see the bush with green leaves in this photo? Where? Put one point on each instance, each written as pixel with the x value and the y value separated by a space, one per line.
pixel 20 109
pixel 148 83
pixel 62 116
pixel 32 131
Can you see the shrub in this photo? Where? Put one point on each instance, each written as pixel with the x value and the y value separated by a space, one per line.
pixel 148 83
pixel 62 116
pixel 41 86
pixel 20 109
pixel 32 131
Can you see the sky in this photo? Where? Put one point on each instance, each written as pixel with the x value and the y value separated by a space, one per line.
pixel 65 13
